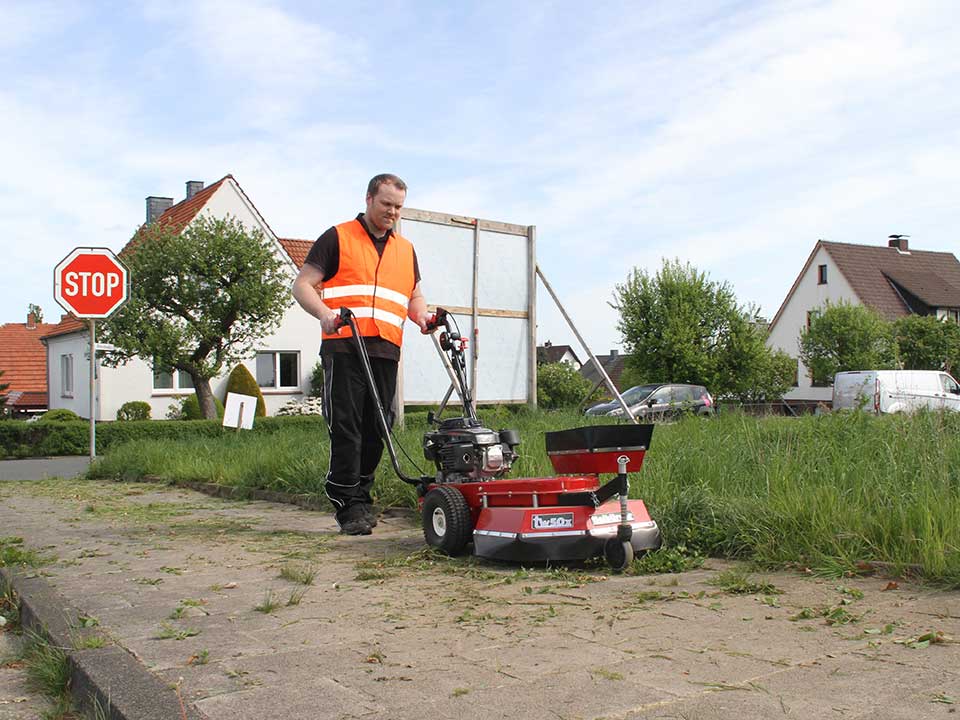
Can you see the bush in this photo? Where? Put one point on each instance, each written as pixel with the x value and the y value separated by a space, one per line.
pixel 242 382
pixel 190 409
pixel 134 410
pixel 59 415
pixel 22 439
pixel 560 385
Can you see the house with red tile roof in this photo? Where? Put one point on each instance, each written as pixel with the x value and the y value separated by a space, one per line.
pixel 283 362
pixel 893 279
pixel 23 361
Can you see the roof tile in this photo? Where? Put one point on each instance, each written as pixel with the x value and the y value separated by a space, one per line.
pixel 23 358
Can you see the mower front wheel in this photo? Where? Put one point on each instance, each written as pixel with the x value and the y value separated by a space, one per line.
pixel 618 554
pixel 447 524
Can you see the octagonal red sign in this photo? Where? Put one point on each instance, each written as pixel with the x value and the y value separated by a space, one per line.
pixel 90 282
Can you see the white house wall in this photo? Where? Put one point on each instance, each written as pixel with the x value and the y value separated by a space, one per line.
pixel 809 295
pixel 74 344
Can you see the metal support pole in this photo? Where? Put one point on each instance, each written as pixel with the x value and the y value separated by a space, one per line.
pixel 93 388
pixel 474 310
pixel 603 373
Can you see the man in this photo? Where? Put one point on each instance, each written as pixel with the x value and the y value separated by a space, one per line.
pixel 366 266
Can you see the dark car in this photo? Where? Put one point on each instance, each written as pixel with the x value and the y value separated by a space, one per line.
pixel 658 401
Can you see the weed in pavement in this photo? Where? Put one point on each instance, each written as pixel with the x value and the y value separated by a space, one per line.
pixel 168 632
pixel 299 573
pixel 9 608
pixel 738 582
pixel 200 658
pixel 666 560
pixel 13 553
pixel 296 595
pixel 90 642
pixel 269 603
pixel 48 672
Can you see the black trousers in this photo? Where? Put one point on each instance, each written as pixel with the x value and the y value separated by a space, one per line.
pixel 356 442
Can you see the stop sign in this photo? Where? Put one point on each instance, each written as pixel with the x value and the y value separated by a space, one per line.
pixel 90 282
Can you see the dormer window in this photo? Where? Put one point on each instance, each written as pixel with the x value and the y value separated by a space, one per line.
pixel 822 275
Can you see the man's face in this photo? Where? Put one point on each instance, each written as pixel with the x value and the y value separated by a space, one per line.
pixel 383 209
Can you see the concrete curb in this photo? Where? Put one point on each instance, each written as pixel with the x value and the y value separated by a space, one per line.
pixel 108 680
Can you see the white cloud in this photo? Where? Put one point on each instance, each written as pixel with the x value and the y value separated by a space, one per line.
pixel 271 62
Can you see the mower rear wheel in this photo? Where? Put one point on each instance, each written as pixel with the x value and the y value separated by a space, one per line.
pixel 447 524
pixel 618 554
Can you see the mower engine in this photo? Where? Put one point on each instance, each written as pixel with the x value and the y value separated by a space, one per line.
pixel 464 451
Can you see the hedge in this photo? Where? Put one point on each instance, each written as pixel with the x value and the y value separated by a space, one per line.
pixel 42 439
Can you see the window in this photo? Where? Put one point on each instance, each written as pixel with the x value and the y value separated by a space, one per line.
pixel 66 376
pixel 796 375
pixel 822 275
pixel 949 385
pixel 172 380
pixel 811 316
pixel 278 369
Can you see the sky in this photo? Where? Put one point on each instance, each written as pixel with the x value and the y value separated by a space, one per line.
pixel 730 135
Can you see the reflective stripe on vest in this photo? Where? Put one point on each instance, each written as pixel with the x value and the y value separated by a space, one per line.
pixel 376 288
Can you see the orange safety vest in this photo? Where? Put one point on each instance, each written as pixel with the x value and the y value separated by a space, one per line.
pixel 376 288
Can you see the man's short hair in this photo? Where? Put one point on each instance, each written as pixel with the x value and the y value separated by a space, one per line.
pixel 374 186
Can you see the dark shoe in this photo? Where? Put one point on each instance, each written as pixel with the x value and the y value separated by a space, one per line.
pixel 353 521
pixel 357 526
pixel 370 515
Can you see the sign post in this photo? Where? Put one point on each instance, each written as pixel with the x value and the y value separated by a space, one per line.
pixel 91 283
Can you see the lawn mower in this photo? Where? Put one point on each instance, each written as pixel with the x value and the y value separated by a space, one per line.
pixel 566 517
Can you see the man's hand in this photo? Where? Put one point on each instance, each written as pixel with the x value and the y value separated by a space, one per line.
pixel 330 322
pixel 427 323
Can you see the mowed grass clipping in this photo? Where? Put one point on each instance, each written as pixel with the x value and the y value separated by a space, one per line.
pixel 825 492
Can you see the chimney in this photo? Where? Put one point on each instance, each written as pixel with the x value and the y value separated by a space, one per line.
pixel 193 187
pixel 899 242
pixel 614 353
pixel 31 321
pixel 156 206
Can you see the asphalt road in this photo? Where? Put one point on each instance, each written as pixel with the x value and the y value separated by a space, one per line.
pixel 43 468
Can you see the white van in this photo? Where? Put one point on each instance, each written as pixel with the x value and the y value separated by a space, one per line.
pixel 892 391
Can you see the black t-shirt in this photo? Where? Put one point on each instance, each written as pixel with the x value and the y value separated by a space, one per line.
pixel 325 255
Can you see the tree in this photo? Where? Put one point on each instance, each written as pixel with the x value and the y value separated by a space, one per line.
pixel 680 326
pixel 36 311
pixel 199 300
pixel 925 342
pixel 846 337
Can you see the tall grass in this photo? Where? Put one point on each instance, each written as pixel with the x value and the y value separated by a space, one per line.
pixel 825 492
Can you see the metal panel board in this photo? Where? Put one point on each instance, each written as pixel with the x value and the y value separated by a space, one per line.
pixel 504 271
pixel 502 370
pixel 445 253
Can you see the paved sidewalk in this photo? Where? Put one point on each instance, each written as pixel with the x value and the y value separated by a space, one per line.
pixel 205 593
